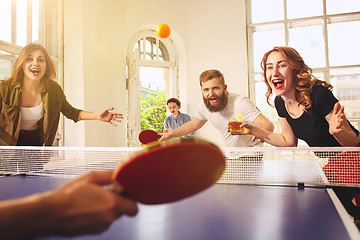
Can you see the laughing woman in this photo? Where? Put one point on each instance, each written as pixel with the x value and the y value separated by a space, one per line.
pixel 308 110
pixel 306 107
pixel 31 102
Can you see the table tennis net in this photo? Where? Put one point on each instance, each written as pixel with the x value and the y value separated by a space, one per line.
pixel 265 165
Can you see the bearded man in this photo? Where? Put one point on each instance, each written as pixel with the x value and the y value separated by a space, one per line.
pixel 219 107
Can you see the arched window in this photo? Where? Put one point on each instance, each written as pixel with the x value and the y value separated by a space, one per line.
pixel 152 77
pixel 154 50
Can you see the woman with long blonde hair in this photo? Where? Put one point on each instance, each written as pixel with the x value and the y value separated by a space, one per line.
pixel 31 102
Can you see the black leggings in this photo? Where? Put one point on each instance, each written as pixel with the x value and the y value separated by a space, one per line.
pixel 30 138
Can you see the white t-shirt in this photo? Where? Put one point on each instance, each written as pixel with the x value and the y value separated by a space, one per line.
pixel 236 105
pixel 30 117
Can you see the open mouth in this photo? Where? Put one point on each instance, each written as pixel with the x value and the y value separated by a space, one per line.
pixel 35 71
pixel 278 83
pixel 213 100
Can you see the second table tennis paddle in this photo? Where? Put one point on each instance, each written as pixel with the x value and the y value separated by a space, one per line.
pixel 170 170
pixel 148 136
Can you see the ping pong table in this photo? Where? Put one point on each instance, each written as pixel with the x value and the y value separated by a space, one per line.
pixel 228 210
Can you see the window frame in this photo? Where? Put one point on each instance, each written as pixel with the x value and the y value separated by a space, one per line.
pixel 135 60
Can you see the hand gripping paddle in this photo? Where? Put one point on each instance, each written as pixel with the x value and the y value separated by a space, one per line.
pixel 170 171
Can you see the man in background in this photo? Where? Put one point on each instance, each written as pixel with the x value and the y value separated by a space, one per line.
pixel 177 118
pixel 219 107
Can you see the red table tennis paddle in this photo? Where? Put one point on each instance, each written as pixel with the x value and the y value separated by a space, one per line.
pixel 170 171
pixel 148 136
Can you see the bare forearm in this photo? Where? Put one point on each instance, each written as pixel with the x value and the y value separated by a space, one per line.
pixel 84 115
pixel 269 126
pixel 80 206
pixel 187 128
pixel 262 122
pixel 347 138
pixel 105 115
pixel 275 139
pixel 33 215
pixel 183 130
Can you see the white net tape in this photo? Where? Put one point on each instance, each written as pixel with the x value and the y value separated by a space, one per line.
pixel 266 165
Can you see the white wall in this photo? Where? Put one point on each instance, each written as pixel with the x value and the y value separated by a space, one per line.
pixel 209 33
pixel 216 40
pixel 73 69
pixel 94 54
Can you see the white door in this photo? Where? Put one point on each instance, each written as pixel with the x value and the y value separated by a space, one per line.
pixel 133 84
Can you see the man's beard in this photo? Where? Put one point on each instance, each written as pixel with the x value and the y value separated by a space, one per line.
pixel 222 100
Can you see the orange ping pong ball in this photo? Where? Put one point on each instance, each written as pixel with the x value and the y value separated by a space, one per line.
pixel 163 30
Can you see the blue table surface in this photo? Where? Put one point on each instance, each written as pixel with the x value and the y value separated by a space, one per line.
pixel 224 211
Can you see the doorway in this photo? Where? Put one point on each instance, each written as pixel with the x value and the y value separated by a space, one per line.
pixel 152 78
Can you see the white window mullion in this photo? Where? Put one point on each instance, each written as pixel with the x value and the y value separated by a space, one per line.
pixel 144 48
pixel 29 21
pixel 286 24
pixel 42 20
pixel 325 27
pixel 157 49
pixel 250 57
pixel 13 21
